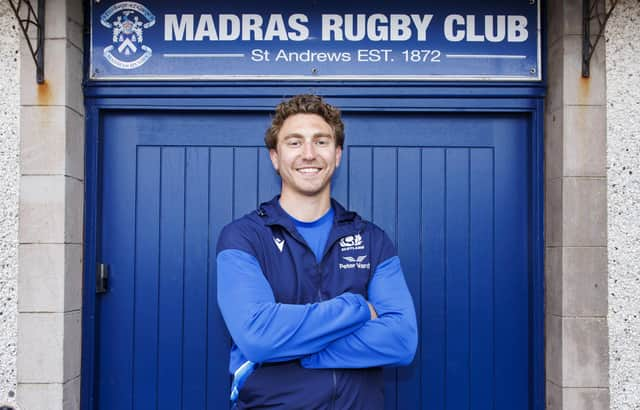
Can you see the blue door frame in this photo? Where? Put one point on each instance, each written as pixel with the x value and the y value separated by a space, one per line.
pixel 354 97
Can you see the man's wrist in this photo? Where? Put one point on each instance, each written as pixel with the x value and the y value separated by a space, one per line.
pixel 372 310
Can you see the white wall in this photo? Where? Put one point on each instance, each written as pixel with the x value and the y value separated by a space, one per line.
pixel 623 174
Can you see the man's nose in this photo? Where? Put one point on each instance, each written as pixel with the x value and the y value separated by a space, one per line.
pixel 309 150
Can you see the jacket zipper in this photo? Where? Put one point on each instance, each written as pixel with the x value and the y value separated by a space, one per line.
pixel 320 298
pixel 335 390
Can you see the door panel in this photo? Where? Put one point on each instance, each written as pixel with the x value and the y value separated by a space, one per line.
pixel 451 190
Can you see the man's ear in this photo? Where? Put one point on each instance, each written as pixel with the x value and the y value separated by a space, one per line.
pixel 273 154
pixel 338 156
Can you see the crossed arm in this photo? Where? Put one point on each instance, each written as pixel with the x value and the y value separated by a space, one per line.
pixel 337 333
pixel 390 339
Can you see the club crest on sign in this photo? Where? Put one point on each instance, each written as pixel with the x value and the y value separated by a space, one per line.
pixel 127 20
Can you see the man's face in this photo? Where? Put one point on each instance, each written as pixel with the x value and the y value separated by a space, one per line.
pixel 306 155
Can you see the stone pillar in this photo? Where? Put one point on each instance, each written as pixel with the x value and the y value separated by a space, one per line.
pixel 576 336
pixel 51 216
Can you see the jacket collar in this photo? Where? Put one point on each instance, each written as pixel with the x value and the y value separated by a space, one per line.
pixel 275 215
pixel 344 222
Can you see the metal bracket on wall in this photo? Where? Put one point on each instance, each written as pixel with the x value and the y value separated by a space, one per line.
pixel 591 10
pixel 30 20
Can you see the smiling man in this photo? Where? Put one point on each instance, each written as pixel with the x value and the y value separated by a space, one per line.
pixel 313 296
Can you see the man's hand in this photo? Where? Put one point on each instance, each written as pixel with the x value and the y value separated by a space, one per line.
pixel 374 314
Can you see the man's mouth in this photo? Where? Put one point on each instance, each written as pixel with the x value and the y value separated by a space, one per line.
pixel 309 170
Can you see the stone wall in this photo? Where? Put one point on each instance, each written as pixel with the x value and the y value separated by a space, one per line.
pixel 623 193
pixel 9 190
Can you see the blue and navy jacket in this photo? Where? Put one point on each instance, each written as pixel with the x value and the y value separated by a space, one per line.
pixel 307 323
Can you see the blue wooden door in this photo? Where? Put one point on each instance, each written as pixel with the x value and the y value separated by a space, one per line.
pixel 452 190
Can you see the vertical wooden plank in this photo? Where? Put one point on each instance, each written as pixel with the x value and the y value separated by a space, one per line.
pixel 385 201
pixel 114 309
pixel 512 301
pixel 171 278
pixel 433 330
pixel 457 291
pixel 145 348
pixel 360 187
pixel 218 339
pixel 409 222
pixel 245 185
pixel 385 189
pixel 340 182
pixel 481 278
pixel 195 278
pixel 268 180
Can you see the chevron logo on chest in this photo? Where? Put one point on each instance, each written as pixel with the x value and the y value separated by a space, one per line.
pixel 279 243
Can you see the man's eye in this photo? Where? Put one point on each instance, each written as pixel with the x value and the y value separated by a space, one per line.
pixel 322 142
pixel 293 143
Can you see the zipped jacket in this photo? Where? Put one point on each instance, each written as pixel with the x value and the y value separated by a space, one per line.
pixel 306 323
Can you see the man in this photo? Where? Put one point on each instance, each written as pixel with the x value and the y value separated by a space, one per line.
pixel 313 296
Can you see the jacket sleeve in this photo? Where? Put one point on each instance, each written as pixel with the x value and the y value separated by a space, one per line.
pixel 391 339
pixel 265 330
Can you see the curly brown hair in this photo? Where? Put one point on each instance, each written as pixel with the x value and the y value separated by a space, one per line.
pixel 304 104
